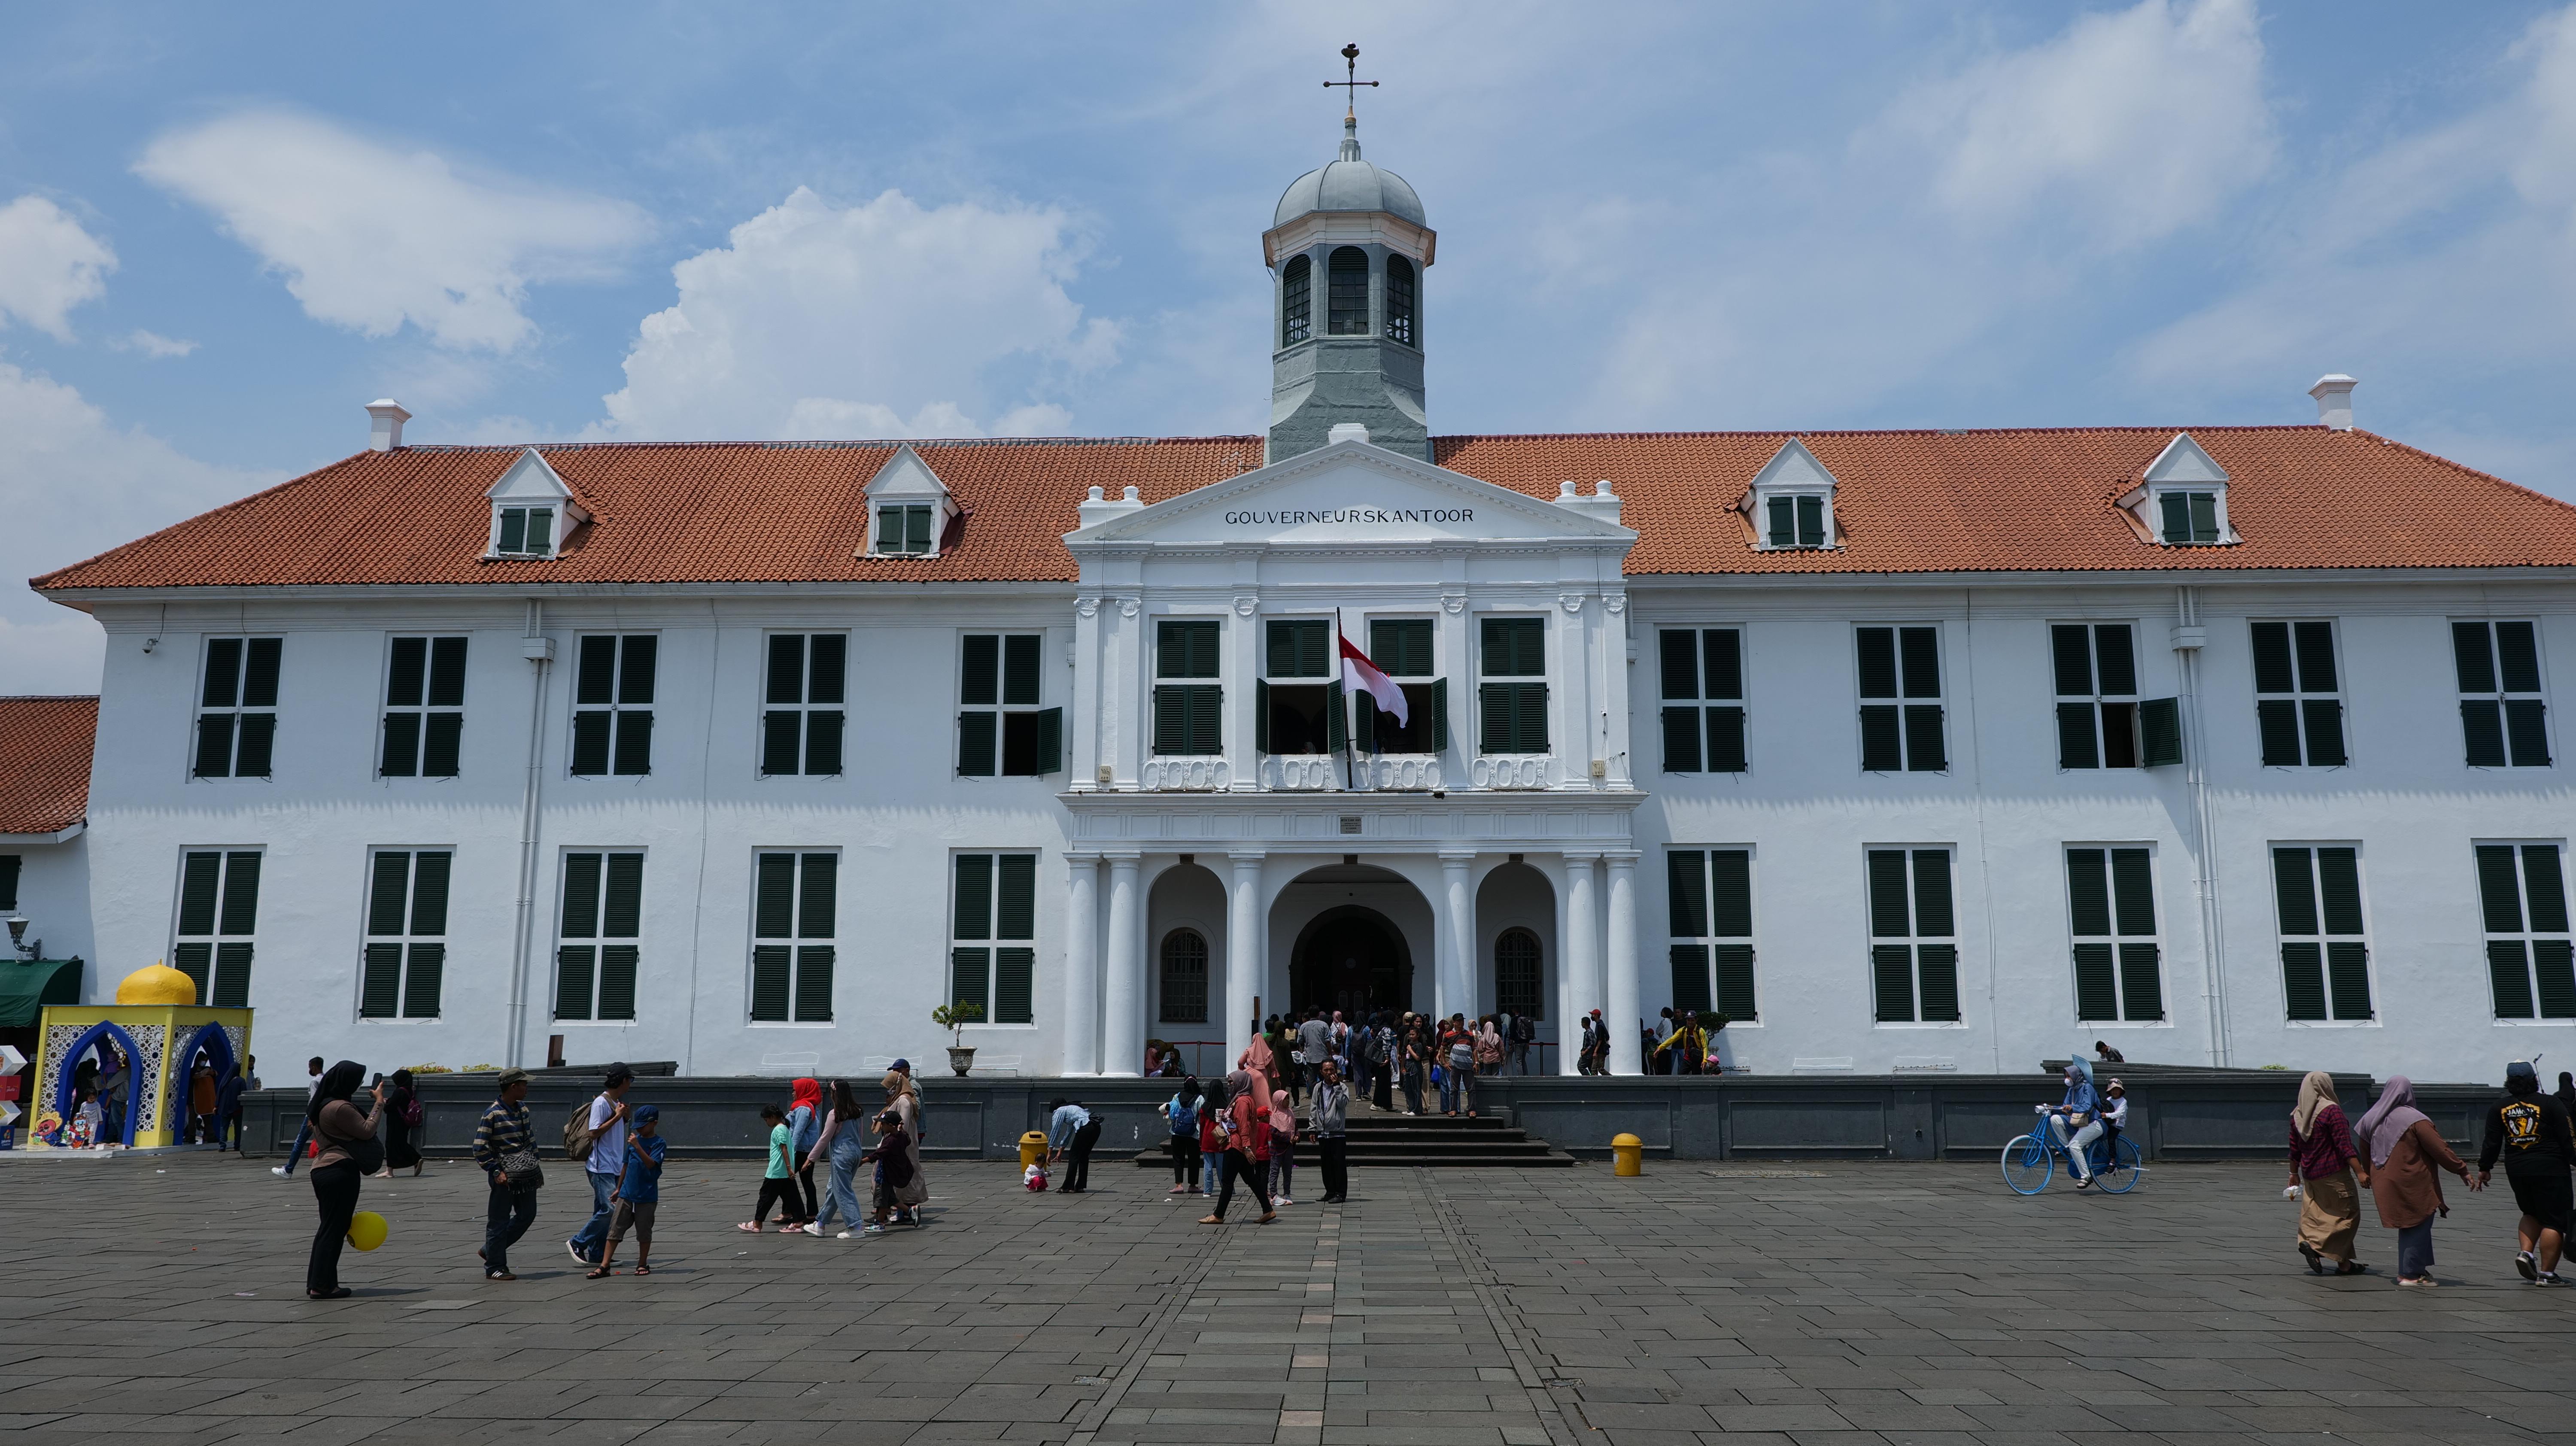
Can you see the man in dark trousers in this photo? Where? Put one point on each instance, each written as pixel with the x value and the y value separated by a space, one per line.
pixel 2531 1131
pixel 1329 1114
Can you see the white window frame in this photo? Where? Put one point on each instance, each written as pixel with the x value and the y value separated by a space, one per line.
pixel 216 938
pixel 2316 888
pixel 236 710
pixel 1912 941
pixel 796 942
pixel 992 943
pixel 2154 508
pixel 598 939
pixel 404 940
pixel 558 520
pixel 807 709
pixel 1901 700
pixel 423 710
pixel 2116 939
pixel 2300 694
pixel 1750 939
pixel 2501 697
pixel 2527 936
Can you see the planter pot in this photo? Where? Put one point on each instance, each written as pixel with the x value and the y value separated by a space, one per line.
pixel 961 1060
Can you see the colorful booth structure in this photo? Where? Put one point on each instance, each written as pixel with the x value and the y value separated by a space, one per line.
pixel 149 1040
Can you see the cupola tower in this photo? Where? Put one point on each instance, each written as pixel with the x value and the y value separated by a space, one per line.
pixel 1346 251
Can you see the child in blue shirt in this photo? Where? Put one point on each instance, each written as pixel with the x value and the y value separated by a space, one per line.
pixel 639 1191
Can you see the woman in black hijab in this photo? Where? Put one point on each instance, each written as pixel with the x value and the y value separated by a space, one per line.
pixel 349 1153
pixel 402 1151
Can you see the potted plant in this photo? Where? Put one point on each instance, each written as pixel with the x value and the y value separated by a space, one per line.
pixel 954 1018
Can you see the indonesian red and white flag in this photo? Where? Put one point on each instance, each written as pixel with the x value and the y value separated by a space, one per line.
pixel 1358 672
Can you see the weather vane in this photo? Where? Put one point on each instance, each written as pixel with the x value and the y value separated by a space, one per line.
pixel 1351 86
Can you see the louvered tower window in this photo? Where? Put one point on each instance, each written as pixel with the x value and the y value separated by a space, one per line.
pixel 1399 300
pixel 1348 276
pixel 1296 301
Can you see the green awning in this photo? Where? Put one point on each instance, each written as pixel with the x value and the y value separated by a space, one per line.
pixel 28 985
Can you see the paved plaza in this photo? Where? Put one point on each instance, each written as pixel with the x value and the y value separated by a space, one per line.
pixel 161 1299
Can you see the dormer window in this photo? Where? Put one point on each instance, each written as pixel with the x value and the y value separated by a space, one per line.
pixel 1791 502
pixel 904 529
pixel 2190 519
pixel 525 532
pixel 1797 521
pixel 908 508
pixel 533 511
pixel 2182 499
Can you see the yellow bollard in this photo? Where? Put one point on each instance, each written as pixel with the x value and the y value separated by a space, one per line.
pixel 1032 1149
pixel 1629 1153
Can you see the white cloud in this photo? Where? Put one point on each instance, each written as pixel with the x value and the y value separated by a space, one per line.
pixel 883 319
pixel 48 265
pixel 152 344
pixel 370 237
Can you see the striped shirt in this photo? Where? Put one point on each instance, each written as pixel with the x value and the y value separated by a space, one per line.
pixel 504 1130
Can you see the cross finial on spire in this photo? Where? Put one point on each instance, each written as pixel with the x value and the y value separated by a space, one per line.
pixel 1351 84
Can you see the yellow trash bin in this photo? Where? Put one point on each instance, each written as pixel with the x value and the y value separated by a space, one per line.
pixel 1628 1154
pixel 1032 1149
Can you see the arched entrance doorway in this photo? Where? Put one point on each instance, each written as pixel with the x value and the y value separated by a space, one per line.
pixel 1353 959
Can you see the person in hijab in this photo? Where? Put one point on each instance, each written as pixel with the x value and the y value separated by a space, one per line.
pixel 2323 1163
pixel 1245 1130
pixel 2081 1114
pixel 2567 1092
pixel 401 1107
pixel 228 1109
pixel 903 1097
pixel 2532 1132
pixel 1283 1148
pixel 343 1134
pixel 1259 1061
pixel 843 1140
pixel 804 1129
pixel 2405 1152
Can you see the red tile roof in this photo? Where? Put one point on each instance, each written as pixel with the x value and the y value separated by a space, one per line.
pixel 45 746
pixel 2001 500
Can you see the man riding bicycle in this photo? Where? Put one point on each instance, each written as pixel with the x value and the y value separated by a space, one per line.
pixel 2081 1112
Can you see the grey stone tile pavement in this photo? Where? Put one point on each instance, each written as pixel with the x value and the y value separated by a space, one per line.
pixel 161 1298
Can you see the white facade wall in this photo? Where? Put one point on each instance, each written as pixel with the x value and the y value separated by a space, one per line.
pixel 53 896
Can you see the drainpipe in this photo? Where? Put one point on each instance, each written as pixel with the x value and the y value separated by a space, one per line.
pixel 539 650
pixel 2189 635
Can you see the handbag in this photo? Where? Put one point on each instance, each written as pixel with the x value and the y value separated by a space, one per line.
pixel 520 1169
pixel 367 1153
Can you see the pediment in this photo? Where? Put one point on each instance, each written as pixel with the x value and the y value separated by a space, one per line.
pixel 2183 460
pixel 1354 493
pixel 904 475
pixel 1793 467
pixel 529 479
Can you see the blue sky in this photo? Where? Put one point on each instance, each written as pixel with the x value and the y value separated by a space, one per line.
pixel 225 229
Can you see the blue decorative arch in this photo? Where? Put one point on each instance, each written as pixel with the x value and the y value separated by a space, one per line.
pixel 104 1029
pixel 218 1046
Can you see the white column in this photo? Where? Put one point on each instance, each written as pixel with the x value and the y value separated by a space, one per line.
pixel 1582 944
pixel 1247 936
pixel 1457 976
pixel 1082 965
pixel 1122 1028
pixel 1620 960
pixel 1569 995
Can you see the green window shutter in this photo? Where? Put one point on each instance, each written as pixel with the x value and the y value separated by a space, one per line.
pixel 1686 892
pixel 979 677
pixel 2294 887
pixel 406 672
pixel 1050 741
pixel 1171 719
pixel 2272 659
pixel 2075 742
pixel 541 531
pixel 823 730
pixel 2473 655
pixel 638 656
pixel 422 979
pixel 447 672
pixel 590 744
pixel 1260 716
pixel 2160 721
pixel 1784 522
pixel 199 874
pixel 621 913
pixel 2555 961
pixel 581 896
pixel 617 964
pixel 817 896
pixel 1880 748
pixel 1940 963
pixel 9 881
pixel 2303 979
pixel 1888 916
pixel 259 672
pixel 1726 740
pixel 634 752
pixel 1515 647
pixel 1926 742
pixel 442 753
pixel 1367 722
pixel 2071 648
pixel 197 961
pixel 1680 650
pixel 232 977
pixel 2141 982
pixel 2278 722
pixel 2482 729
pixel 1920 649
pixel 1401 647
pixel 1730 894
pixel 223 673
pixel 2204 517
pixel 402 746
pixel 969 978
pixel 575 965
pixel 214 746
pixel 2133 887
pixel 1207 719
pixel 774 898
pixel 2546 887
pixel 2088 897
pixel 770 968
pixel 1891 968
pixel 814 983
pixel 2525 725
pixel 1494 719
pixel 2499 891
pixel 1014 985
pixel 2176 507
pixel 2324 720
pixel 2509 974
pixel 1016 891
pixel 388 893
pixel 1337 727
pixel 1186 650
pixel 380 988
pixel 1723 655
pixel 1932 894
pixel 1439 715
pixel 2518 657
pixel 786 669
pixel 1734 966
pixel 889 530
pixel 2348 974
pixel 429 893
pixel 1811 522
pixel 1529 713
pixel 1876 651
pixel 2095 995
pixel 1681 740
pixel 1020 671
pixel 1297 649
pixel 2339 889
pixel 2315 643
pixel 241 894
pixel 258 735
pixel 2119 671
pixel 1690 977
pixel 780 733
pixel 828 669
pixel 514 530
pixel 916 529
pixel 595 671
pixel 974 914
pixel 975 741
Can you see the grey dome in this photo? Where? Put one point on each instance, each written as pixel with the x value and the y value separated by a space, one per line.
pixel 1350 184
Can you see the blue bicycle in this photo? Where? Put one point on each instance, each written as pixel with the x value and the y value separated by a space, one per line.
pixel 2030 1160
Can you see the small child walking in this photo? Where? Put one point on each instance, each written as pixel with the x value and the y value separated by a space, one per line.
pixel 639 1191
pixel 1283 1148
pixel 894 1166
pixel 778 1182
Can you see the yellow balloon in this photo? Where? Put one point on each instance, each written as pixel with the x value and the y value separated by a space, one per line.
pixel 366 1230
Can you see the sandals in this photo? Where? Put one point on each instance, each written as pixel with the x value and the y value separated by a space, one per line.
pixel 2316 1262
pixel 600 1274
pixel 749 1228
pixel 643 1270
pixel 2352 1267
pixel 336 1293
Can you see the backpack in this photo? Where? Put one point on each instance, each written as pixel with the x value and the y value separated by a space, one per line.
pixel 1184 1118
pixel 411 1111
pixel 577 1134
pixel 1523 1031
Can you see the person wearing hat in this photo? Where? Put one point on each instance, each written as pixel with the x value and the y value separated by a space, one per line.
pixel 2532 1133
pixel 639 1192
pixel 505 1131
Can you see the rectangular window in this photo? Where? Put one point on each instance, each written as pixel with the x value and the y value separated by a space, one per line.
pixel 1298 705
pixel 2502 713
pixel 406 950
pixel 1402 649
pixel 2111 911
pixel 424 708
pixel 603 903
pixel 237 707
pixel 525 532
pixel 1711 895
pixel 802 718
pixel 1512 713
pixel 2298 703
pixel 2522 893
pixel 1703 687
pixel 1189 717
pixel 992 956
pixel 794 913
pixel 2097 695
pixel 218 915
pixel 612 720
pixel 905 529
pixel 9 881
pixel 1914 944
pixel 2188 519
pixel 2325 951
pixel 1907 732
pixel 1000 728
pixel 1795 521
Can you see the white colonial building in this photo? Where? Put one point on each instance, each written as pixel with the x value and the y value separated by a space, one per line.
pixel 1906 750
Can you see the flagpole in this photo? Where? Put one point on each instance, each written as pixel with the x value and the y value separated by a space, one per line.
pixel 1350 745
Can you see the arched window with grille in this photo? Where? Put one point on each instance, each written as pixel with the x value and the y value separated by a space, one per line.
pixel 1399 300
pixel 1296 301
pixel 1185 978
pixel 1347 273
pixel 1516 975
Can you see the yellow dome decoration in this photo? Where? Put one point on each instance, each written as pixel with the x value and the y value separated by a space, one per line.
pixel 157 984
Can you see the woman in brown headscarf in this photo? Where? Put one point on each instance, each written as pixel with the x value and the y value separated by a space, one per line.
pixel 904 1098
pixel 2323 1164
